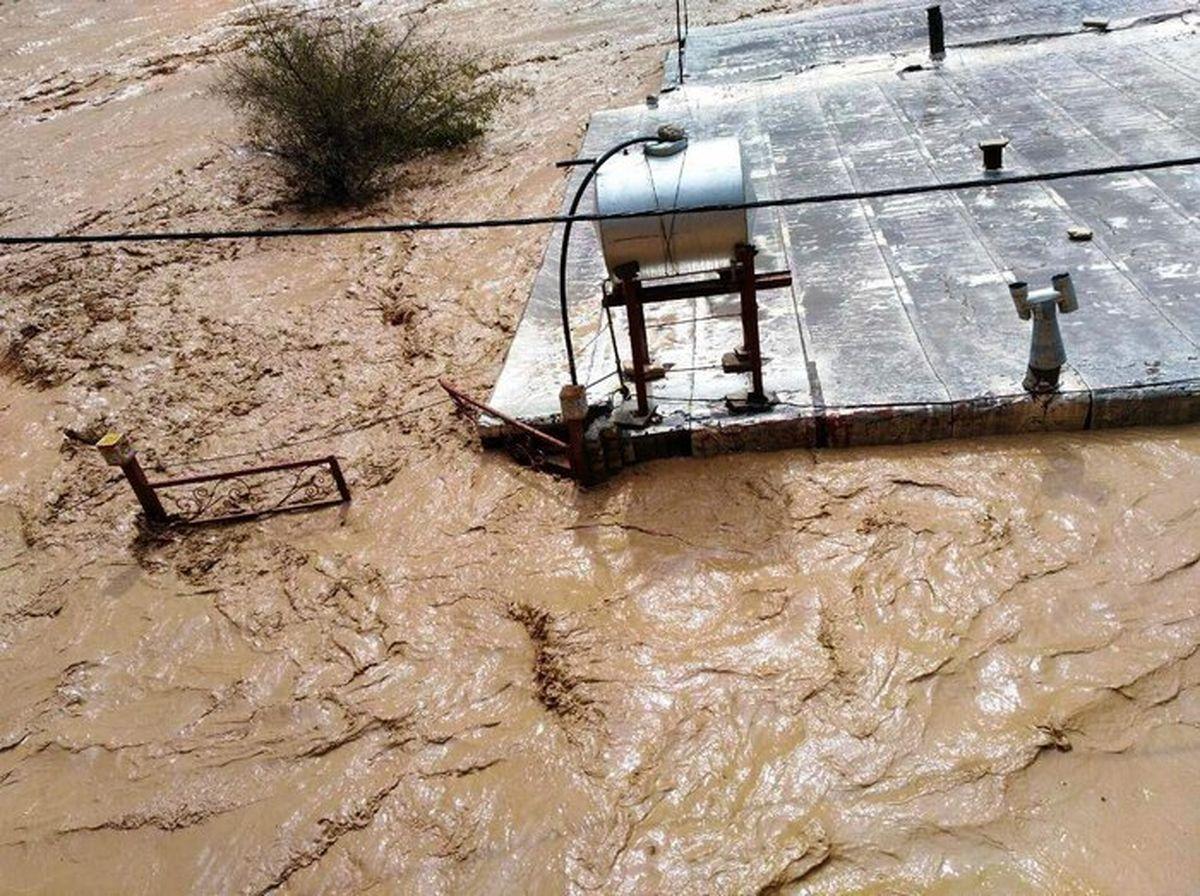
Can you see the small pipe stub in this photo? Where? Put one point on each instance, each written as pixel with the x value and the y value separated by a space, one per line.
pixel 115 448
pixel 993 153
pixel 573 403
pixel 1067 300
pixel 671 139
pixel 626 271
pixel 937 33
pixel 670 133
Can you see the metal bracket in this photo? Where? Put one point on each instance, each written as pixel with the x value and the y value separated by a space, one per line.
pixel 628 416
pixel 747 402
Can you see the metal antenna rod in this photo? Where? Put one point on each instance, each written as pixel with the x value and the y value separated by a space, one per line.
pixel 679 38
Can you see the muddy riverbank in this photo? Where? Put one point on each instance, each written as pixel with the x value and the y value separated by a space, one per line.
pixel 959 667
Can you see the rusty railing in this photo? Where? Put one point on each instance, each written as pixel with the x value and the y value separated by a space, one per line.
pixel 233 495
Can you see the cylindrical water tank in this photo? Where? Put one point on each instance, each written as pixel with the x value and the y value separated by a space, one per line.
pixel 684 174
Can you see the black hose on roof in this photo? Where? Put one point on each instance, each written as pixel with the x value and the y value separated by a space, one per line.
pixel 566 240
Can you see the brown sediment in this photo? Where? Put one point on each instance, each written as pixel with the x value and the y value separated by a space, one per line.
pixel 559 690
pixel 960 667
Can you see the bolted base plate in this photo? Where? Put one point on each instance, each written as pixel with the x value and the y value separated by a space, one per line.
pixel 736 361
pixel 627 415
pixel 748 403
pixel 652 372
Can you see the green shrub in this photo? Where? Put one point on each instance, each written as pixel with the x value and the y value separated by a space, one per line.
pixel 339 101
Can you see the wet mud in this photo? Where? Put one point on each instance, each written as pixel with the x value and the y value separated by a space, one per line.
pixel 951 668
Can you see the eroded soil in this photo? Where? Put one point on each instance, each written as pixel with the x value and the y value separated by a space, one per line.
pixel 962 667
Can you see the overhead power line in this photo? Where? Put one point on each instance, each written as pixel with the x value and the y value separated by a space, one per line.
pixel 541 220
pixel 333 433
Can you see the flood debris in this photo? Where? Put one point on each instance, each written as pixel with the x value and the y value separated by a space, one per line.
pixel 229 496
pixel 561 691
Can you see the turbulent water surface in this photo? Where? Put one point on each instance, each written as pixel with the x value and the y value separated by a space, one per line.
pixel 961 667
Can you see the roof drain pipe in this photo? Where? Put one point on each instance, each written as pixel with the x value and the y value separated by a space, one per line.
pixel 562 258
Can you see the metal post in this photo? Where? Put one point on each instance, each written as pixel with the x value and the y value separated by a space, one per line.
pixel 638 348
pixel 572 400
pixel 679 39
pixel 335 470
pixel 117 451
pixel 462 399
pixel 750 339
pixel 937 33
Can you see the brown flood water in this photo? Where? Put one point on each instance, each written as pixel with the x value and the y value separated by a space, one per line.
pixel 965 667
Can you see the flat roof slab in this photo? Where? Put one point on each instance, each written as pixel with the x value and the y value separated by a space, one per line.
pixel 777 46
pixel 899 325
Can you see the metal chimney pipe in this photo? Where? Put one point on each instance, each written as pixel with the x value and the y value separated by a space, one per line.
pixel 937 33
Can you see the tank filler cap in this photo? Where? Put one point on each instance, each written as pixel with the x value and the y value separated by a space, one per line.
pixel 671 133
pixel 671 139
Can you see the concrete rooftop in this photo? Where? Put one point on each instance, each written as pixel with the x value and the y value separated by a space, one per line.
pixel 899 325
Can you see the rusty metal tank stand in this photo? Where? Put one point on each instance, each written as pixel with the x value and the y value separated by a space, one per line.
pixel 749 356
pixel 740 279
pixel 629 289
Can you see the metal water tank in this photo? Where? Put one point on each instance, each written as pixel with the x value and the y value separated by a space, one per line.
pixel 680 174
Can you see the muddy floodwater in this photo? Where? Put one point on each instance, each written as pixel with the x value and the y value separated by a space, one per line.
pixel 964 667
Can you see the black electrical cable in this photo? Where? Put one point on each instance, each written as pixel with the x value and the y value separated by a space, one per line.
pixel 94 497
pixel 485 223
pixel 308 440
pixel 566 242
